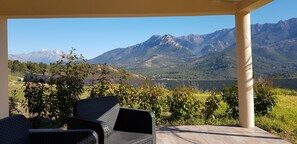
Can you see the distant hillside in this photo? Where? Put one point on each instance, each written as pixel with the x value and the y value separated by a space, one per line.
pixel 163 49
pixel 114 72
pixel 167 51
pixel 44 55
pixel 274 53
pixel 210 56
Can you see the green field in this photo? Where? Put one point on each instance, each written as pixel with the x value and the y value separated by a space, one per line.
pixel 282 121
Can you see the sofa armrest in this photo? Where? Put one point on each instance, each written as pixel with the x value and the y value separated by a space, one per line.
pixel 136 120
pixel 100 127
pixel 58 136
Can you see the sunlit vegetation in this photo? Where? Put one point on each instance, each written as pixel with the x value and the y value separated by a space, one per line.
pixel 179 106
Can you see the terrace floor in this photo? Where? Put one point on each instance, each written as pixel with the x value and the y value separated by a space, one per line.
pixel 205 134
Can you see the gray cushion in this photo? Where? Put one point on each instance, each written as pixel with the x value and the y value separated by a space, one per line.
pixel 120 137
pixel 102 108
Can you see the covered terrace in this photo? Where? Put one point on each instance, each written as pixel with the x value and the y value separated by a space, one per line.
pixel 241 9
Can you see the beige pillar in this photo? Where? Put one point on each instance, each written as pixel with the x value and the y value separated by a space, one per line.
pixel 3 69
pixel 244 69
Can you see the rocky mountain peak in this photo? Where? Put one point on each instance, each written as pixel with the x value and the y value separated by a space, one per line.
pixel 43 55
pixel 167 37
pixel 292 21
pixel 59 52
pixel 283 25
pixel 169 40
pixel 154 37
pixel 44 50
pixel 158 40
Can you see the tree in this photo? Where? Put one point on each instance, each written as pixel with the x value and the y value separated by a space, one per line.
pixel 103 85
pixel 10 62
pixel 42 68
pixel 17 66
pixel 68 77
pixel 32 67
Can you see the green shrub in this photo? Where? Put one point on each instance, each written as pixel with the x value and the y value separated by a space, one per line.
pixel 264 100
pixel 53 111
pixel 35 99
pixel 102 90
pixel 102 86
pixel 128 96
pixel 152 98
pixel 230 97
pixel 211 105
pixel 182 104
pixel 13 103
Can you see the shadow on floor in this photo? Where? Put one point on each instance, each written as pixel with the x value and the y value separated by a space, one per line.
pixel 174 130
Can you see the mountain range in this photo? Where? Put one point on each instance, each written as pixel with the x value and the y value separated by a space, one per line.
pixel 209 56
pixel 45 56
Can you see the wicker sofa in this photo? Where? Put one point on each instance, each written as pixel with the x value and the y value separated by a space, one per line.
pixel 16 130
pixel 113 124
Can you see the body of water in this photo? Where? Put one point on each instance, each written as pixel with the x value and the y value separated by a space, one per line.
pixel 206 85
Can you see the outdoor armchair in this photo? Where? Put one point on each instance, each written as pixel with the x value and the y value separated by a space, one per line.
pixel 113 124
pixel 16 130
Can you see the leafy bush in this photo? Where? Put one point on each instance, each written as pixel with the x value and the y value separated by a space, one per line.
pixel 211 105
pixel 182 104
pixel 102 90
pixel 263 97
pixel 146 97
pixel 230 97
pixel 13 103
pixel 35 99
pixel 102 86
pixel 152 98
pixel 264 100
pixel 128 95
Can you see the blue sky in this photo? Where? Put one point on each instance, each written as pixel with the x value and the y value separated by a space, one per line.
pixel 94 36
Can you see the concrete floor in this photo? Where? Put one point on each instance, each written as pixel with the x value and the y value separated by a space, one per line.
pixel 205 134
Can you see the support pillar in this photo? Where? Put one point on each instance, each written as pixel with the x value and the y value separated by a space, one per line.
pixel 244 69
pixel 4 109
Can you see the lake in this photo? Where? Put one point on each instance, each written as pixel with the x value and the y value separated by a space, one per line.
pixel 206 85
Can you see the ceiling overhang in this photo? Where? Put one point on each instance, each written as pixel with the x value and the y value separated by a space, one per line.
pixel 123 8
